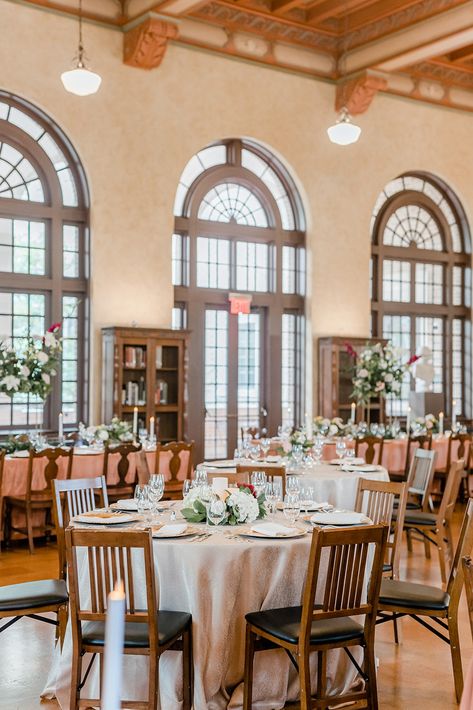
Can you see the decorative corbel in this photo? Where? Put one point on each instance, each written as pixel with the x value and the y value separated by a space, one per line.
pixel 145 44
pixel 357 94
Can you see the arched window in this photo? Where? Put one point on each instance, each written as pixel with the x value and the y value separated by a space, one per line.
pixel 43 256
pixel 239 229
pixel 421 282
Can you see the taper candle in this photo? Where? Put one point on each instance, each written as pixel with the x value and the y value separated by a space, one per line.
pixel 151 427
pixel 353 412
pixel 441 423
pixel 113 660
pixel 135 420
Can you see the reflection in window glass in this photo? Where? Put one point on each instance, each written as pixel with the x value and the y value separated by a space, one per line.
pixel 213 263
pixel 216 383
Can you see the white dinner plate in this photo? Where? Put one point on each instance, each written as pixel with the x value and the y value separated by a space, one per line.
pixel 86 451
pixel 354 462
pixel 296 532
pixel 367 468
pixel 23 454
pixel 219 464
pixel 340 519
pixel 313 508
pixel 101 517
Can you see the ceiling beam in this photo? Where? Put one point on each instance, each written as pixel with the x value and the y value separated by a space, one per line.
pixel 428 38
pixel 330 9
pixel 459 54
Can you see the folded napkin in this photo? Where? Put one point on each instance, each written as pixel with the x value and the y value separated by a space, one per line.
pixel 172 530
pixel 341 518
pixel 272 529
pixel 126 504
pixel 366 468
pixel 318 506
pixel 354 462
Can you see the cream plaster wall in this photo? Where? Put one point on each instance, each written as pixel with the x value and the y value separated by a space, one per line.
pixel 135 136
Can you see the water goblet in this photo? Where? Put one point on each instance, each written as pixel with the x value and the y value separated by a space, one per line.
pixel 142 498
pixel 265 445
pixel 186 486
pixel 258 480
pixel 297 454
pixel 340 448
pixel 292 507
pixel 307 497
pixel 293 484
pixel 156 491
pixel 216 510
pixel 271 496
pixel 200 478
pixel 254 451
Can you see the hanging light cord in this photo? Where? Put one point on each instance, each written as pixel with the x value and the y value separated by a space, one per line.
pixel 81 45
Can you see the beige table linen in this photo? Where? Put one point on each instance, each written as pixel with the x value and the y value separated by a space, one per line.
pixel 218 580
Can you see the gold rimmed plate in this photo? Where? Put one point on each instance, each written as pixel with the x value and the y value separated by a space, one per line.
pixel 102 517
pixel 190 531
pixel 295 533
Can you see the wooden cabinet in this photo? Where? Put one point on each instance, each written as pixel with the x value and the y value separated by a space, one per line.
pixel 335 368
pixel 146 368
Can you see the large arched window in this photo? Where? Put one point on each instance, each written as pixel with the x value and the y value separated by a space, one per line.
pixel 43 256
pixel 421 282
pixel 239 229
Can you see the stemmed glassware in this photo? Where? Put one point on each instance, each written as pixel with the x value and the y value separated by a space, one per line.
pixel 254 450
pixel 293 484
pixel 142 498
pixel 258 480
pixel 292 507
pixel 186 486
pixel 265 445
pixel 340 448
pixel 349 457
pixel 306 497
pixel 273 494
pixel 156 491
pixel 297 453
pixel 200 478
pixel 317 449
pixel 216 509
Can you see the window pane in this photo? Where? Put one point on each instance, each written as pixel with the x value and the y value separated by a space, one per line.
pixel 429 283
pixel 213 263
pixel 288 269
pixel 396 281
pixel 397 329
pixel 216 383
pixel 252 266
pixel 249 353
pixel 18 178
pixel 70 363
pixel 68 188
pixel 229 202
pixel 429 334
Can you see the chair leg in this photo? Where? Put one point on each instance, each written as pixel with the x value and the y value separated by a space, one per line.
pixel 456 656
pixel 321 675
pixel 76 675
pixel 249 661
pixel 442 554
pixel 304 677
pixel 397 629
pixel 409 540
pixel 29 526
pixel 427 548
pixel 153 687
pixel 62 623
pixel 370 670
pixel 188 669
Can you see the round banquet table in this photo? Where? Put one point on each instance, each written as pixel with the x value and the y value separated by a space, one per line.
pixel 338 487
pixel 218 580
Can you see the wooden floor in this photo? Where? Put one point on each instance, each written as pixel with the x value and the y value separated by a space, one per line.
pixel 415 675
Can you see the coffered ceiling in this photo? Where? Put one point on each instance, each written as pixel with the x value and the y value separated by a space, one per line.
pixel 417 48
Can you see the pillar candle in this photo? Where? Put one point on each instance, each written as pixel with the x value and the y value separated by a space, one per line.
pixel 135 420
pixel 113 660
pixel 454 414
pixel 60 426
pixel 219 483
pixel 441 425
pixel 353 412
pixel 151 427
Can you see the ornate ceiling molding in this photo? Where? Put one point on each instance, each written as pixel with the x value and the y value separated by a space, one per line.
pixel 444 73
pixel 358 93
pixel 145 44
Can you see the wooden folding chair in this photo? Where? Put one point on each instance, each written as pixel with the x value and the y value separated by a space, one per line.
pixel 373 453
pixel 109 557
pixel 432 603
pixel 320 627
pixel 74 497
pixel 38 496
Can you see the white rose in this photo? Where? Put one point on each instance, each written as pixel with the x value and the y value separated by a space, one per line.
pixel 42 357
pixel 332 430
pixel 11 382
pixel 388 377
pixel 363 373
pixel 46 378
pixel 102 434
pixel 49 340
pixel 25 371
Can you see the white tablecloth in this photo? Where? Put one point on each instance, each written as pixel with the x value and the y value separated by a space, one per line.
pixel 218 581
pixel 336 486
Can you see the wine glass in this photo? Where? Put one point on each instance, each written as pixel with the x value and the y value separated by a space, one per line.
pixel 258 480
pixel 293 484
pixel 317 449
pixel 307 497
pixel 341 448
pixel 142 498
pixel 297 454
pixel 186 486
pixel 254 451
pixel 292 507
pixel 216 510
pixel 265 445
pixel 156 491
pixel 271 495
pixel 200 478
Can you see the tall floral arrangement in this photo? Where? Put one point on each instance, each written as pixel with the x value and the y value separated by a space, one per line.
pixel 29 369
pixel 378 371
pixel 242 504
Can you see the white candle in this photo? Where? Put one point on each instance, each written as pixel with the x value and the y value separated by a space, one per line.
pixel 219 483
pixel 454 414
pixel 441 425
pixel 308 425
pixel 408 420
pixel 135 420
pixel 60 427
pixel 353 412
pixel 113 661
pixel 151 427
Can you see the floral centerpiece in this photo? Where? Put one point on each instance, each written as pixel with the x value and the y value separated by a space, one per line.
pixel 429 423
pixel 330 427
pixel 242 504
pixel 117 432
pixel 299 437
pixel 379 372
pixel 19 442
pixel 28 369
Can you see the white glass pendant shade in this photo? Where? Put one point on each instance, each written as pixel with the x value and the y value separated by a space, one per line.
pixel 81 81
pixel 344 132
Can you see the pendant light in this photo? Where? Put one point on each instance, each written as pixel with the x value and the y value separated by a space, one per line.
pixel 344 131
pixel 80 80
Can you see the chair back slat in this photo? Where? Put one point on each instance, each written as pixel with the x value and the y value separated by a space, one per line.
pixel 461 450
pixel 414 442
pixel 421 475
pixel 123 451
pixel 175 461
pixel 110 562
pixel 371 447
pixel 348 587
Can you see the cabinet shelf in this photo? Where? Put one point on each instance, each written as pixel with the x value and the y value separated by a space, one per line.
pixel 165 354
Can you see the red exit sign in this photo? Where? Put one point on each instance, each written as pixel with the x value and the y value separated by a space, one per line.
pixel 239 303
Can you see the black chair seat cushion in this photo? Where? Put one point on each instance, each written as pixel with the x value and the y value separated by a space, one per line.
pixel 29 595
pixel 410 594
pixel 387 567
pixel 285 624
pixel 170 625
pixel 420 518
